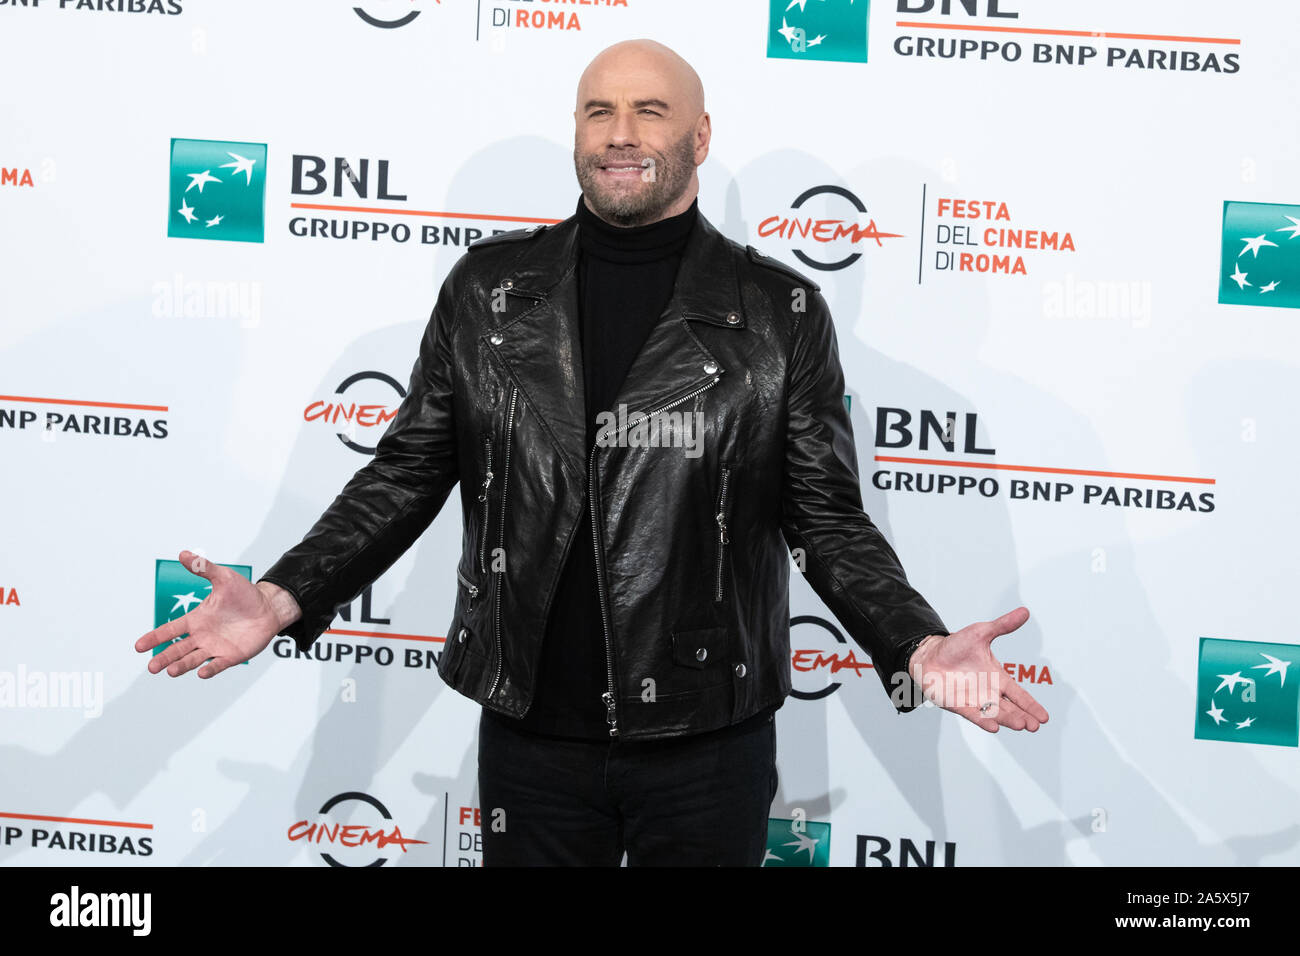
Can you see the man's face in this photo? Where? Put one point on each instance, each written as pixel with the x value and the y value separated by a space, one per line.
pixel 634 145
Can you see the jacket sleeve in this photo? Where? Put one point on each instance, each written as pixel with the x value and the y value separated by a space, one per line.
pixel 846 559
pixel 391 500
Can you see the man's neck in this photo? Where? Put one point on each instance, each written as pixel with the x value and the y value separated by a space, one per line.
pixel 682 203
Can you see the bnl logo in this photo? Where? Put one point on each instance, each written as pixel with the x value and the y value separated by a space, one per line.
pixel 1259 260
pixel 823 30
pixel 797 842
pixel 1247 693
pixel 216 190
pixel 879 849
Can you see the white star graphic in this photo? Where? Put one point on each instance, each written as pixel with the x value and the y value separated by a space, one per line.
pixel 1275 666
pixel 186 210
pixel 1294 228
pixel 201 179
pixel 1245 723
pixel 185 600
pixel 817 39
pixel 786 31
pixel 1270 287
pixel 801 4
pixel 803 842
pixel 214 220
pixel 242 165
pixel 1253 244
pixel 769 855
pixel 1215 713
pixel 1231 681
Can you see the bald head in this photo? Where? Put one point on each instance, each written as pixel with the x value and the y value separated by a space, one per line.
pixel 648 63
pixel 640 131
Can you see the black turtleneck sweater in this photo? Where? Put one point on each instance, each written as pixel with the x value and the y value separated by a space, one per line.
pixel 625 280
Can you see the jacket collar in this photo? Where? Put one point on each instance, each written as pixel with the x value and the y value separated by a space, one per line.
pixel 541 347
pixel 706 286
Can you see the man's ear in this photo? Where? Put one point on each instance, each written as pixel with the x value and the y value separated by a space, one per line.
pixel 703 134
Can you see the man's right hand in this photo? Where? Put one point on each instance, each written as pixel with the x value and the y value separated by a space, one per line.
pixel 233 624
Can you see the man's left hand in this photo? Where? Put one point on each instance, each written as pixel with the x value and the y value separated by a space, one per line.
pixel 959 673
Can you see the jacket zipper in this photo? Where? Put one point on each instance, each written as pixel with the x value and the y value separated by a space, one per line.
pixel 722 530
pixel 505 485
pixel 608 698
pixel 470 587
pixel 487 505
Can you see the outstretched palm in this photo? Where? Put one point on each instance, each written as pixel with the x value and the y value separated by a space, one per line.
pixel 234 623
pixel 959 673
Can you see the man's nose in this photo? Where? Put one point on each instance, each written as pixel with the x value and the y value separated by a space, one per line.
pixel 622 131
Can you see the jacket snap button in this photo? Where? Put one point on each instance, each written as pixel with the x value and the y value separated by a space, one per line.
pixel 507 284
pixel 740 670
pixel 710 367
pixel 496 338
pixel 462 635
pixel 733 318
pixel 702 653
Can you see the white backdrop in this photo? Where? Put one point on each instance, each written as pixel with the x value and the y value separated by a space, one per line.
pixel 1107 361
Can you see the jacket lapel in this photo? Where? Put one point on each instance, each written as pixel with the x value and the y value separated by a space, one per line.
pixel 541 346
pixel 673 362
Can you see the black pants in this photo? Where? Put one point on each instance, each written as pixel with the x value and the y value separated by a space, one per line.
pixel 699 800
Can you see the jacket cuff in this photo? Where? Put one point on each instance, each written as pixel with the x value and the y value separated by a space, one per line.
pixel 905 694
pixel 314 620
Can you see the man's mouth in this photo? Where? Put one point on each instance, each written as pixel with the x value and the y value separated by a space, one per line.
pixel 624 170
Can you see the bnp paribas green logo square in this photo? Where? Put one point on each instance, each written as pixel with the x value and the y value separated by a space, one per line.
pixel 798 843
pixel 1260 255
pixel 818 29
pixel 1246 692
pixel 218 190
pixel 177 590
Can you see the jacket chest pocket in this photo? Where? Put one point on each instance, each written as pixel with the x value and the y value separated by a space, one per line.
pixel 722 537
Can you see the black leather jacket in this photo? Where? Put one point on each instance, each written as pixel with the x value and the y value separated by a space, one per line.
pixel 694 546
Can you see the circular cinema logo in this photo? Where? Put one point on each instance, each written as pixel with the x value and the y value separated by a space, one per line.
pixel 356 829
pixel 820 657
pixel 371 413
pixel 830 238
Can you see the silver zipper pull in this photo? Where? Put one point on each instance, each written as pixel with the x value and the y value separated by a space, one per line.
pixel 470 588
pixel 608 698
pixel 487 481
pixel 722 528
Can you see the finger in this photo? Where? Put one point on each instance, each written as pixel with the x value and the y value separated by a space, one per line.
pixel 1007 622
pixel 163 632
pixel 175 652
pixel 1006 713
pixel 1025 701
pixel 204 568
pixel 188 661
pixel 215 666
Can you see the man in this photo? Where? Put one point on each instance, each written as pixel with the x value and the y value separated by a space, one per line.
pixel 646 421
